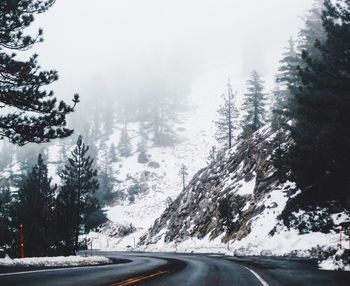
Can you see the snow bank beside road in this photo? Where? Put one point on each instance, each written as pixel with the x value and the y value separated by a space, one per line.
pixel 59 261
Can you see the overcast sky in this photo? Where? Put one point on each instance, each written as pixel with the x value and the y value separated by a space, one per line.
pixel 119 47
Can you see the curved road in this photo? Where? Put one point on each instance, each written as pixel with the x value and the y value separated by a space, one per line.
pixel 183 269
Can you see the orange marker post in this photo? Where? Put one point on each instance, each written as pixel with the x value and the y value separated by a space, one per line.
pixel 21 237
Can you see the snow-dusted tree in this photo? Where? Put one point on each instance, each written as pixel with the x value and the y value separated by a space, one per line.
pixel 213 155
pixel 254 105
pixel 113 154
pixel 106 176
pixel 161 111
pixel 183 173
pixel 143 156
pixel 80 182
pixel 35 210
pixel 313 31
pixel 227 116
pixel 124 146
pixel 33 114
pixel 288 76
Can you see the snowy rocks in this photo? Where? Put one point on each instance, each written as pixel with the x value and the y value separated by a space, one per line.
pixel 244 171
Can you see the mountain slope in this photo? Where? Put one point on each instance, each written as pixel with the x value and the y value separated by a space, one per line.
pixel 245 174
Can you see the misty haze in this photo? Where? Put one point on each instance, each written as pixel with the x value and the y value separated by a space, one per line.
pixel 160 142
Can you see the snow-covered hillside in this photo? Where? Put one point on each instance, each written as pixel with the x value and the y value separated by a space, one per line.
pixel 160 181
pixel 163 184
pixel 245 174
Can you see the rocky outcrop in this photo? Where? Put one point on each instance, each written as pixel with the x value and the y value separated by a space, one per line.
pixel 245 172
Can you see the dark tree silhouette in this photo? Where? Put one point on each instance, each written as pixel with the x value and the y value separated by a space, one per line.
pixel 33 115
pixel 80 178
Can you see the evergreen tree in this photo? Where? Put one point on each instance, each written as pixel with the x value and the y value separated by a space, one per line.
pixel 107 180
pixel 143 156
pixel 254 106
pixel 80 182
pixel 64 221
pixel 35 115
pixel 229 208
pixel 113 154
pixel 288 76
pixel 320 154
pixel 8 237
pixel 35 210
pixel 213 155
pixel 124 146
pixel 183 172
pixel 313 31
pixel 227 115
pixel 226 217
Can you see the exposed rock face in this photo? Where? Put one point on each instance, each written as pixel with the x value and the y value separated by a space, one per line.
pixel 245 171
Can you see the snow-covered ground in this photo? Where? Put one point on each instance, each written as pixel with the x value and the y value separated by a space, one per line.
pixel 195 133
pixel 59 261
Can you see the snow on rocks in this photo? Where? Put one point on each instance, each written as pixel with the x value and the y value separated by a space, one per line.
pixel 339 261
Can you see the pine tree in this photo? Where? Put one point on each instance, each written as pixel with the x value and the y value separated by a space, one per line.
pixel 64 221
pixel 106 179
pixel 320 156
pixel 213 154
pixel 124 146
pixel 254 106
pixel 288 75
pixel 35 115
pixel 35 210
pixel 8 237
pixel 183 173
pixel 229 208
pixel 113 154
pixel 143 156
pixel 226 217
pixel 80 182
pixel 227 115
pixel 313 31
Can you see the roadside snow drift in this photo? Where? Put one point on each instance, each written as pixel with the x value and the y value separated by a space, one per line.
pixel 59 261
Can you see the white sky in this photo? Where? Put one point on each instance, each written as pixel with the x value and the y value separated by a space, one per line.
pixel 120 47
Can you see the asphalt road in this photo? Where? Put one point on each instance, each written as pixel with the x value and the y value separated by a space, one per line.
pixel 184 269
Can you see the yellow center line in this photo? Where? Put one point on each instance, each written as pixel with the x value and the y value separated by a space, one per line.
pixel 138 279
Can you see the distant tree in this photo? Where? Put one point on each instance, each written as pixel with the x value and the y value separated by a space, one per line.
pixel 254 106
pixel 113 154
pixel 288 75
pixel 107 180
pixel 312 31
pixel 8 237
pixel 80 182
pixel 124 146
pixel 227 116
pixel 161 111
pixel 183 173
pixel 35 208
pixel 33 114
pixel 143 156
pixel 213 154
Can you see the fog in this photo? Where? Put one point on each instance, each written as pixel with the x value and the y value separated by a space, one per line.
pixel 124 49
